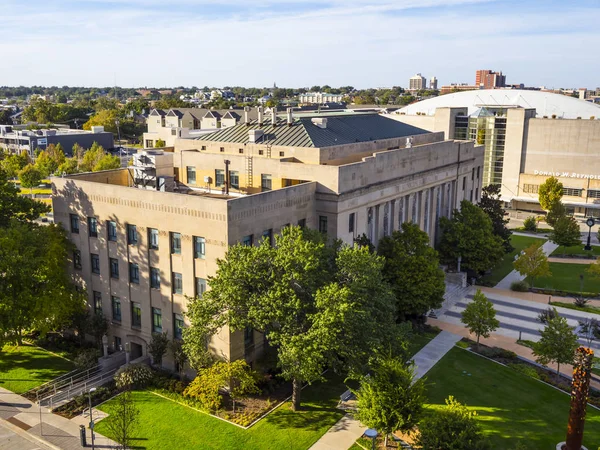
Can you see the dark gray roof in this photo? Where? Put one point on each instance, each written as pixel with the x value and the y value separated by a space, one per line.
pixel 157 112
pixel 340 130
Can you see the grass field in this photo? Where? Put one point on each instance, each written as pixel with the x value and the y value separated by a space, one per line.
pixel 165 424
pixel 25 367
pixel 576 250
pixel 511 407
pixel 506 265
pixel 565 277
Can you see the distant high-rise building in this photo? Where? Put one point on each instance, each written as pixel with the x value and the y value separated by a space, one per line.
pixel 417 83
pixel 433 83
pixel 486 79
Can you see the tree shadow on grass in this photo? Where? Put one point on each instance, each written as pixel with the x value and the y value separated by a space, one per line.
pixel 309 417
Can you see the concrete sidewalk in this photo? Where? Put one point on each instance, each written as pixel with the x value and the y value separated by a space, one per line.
pixel 54 431
pixel 347 430
pixel 509 279
pixel 571 260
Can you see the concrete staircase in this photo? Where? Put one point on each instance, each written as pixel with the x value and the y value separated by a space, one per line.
pixel 454 294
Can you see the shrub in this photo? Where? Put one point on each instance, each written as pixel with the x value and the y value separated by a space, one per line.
pixel 497 353
pixel 86 359
pixel 581 301
pixel 525 370
pixel 519 286
pixel 547 315
pixel 530 224
pixel 134 375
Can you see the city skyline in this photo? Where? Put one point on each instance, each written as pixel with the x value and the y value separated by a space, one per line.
pixel 297 42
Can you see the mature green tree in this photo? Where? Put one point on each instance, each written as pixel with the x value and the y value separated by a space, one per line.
pixel 480 316
pixel 5 117
pixel 491 204
pixel 413 270
pixel 532 263
pixel 179 356
pixel 68 167
pixel 550 192
pixel 17 207
pixel 45 165
pixel 30 177
pixel 158 347
pixel 92 157
pixel 469 234
pixel 391 399
pixel 170 101
pixel 316 303
pixel 453 428
pixel 107 162
pixel 557 344
pixel 566 232
pixel 35 288
pixel 557 211
pixel 13 164
pixel 97 326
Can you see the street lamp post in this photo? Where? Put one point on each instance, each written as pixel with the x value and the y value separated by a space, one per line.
pixel 590 223
pixel 91 417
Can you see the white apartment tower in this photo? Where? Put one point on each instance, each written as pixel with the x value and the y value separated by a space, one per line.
pixel 417 82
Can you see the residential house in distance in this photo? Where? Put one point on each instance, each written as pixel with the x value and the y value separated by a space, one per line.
pixel 149 235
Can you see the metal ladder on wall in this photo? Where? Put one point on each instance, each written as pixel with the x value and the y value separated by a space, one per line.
pixel 249 173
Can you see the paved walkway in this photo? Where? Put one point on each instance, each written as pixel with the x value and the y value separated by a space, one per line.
pixel 571 260
pixel 54 432
pixel 347 430
pixel 505 283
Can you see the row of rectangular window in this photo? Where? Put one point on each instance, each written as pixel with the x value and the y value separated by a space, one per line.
pixel 248 240
pixel 136 315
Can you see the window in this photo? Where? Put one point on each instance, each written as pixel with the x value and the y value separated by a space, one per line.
pixel 473 174
pixel 281 153
pixel 132 236
pixel 240 151
pixel 268 235
pixel 219 178
pixel 222 149
pixel 464 183
pixel 234 179
pixel 153 238
pixel 200 287
pixel 116 308
pixel 136 315
pixel 92 227
pixel 471 195
pixel 95 263
pixel 154 278
pixel 593 193
pixel 134 273
pixel 351 223
pixel 97 302
pixel 247 240
pixel 323 224
pixel 176 243
pixel 156 320
pixel 248 337
pixel 118 346
pixel 114 268
pixel 260 152
pixel 572 192
pixel 478 168
pixel 266 182
pixel 476 193
pixel 199 247
pixel 191 174
pixel 177 326
pixel 302 223
pixel 149 143
pixel 203 147
pixel 77 259
pixel 174 132
pixel 177 283
pixel 111 230
pixel 531 188
pixel 74 223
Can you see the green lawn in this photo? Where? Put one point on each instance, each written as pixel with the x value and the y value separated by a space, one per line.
pixel 565 277
pixel 25 367
pixel 511 407
pixel 576 250
pixel 587 308
pixel 165 424
pixel 506 265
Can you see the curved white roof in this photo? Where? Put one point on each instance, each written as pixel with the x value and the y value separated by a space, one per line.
pixel 545 103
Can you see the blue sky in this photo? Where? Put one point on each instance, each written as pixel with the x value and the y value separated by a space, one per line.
pixel 297 42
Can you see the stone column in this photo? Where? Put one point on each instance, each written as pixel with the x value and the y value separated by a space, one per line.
pixel 377 225
pixel 392 215
pixel 423 206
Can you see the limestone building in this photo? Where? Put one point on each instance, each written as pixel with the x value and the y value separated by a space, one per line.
pixel 149 235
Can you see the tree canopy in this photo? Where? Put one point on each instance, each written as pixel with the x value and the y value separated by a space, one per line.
pixel 413 270
pixel 550 192
pixel 491 204
pixel 391 399
pixel 532 262
pixel 480 316
pixel 30 177
pixel 318 303
pixel 469 234
pixel 566 232
pixel 557 343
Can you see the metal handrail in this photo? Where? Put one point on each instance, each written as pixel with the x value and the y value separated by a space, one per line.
pixel 73 380
pixel 55 380
pixel 79 389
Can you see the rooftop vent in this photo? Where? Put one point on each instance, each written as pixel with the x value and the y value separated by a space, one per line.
pixel 321 122
pixel 255 135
